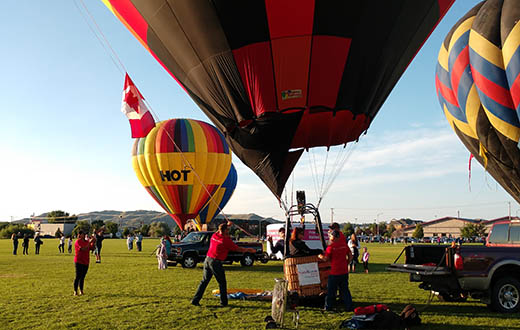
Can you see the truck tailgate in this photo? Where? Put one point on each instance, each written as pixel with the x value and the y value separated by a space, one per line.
pixel 418 269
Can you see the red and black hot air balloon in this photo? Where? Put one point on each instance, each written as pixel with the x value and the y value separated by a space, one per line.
pixel 280 76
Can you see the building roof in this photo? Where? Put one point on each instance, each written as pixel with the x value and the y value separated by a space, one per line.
pixel 432 222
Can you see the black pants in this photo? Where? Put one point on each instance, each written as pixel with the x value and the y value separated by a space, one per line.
pixel 61 247
pixel 25 249
pixel 81 272
pixel 212 267
pixel 139 246
pixel 37 248
pixel 15 247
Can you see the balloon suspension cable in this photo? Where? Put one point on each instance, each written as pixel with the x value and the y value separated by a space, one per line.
pixel 341 159
pixel 314 171
pixel 102 40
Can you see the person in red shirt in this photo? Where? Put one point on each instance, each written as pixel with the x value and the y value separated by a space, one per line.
pixel 340 256
pixel 219 246
pixel 82 248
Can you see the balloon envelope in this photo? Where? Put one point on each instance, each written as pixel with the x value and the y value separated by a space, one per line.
pixel 477 82
pixel 182 163
pixel 219 199
pixel 281 76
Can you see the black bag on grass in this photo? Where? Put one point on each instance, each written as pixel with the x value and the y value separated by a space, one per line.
pixel 410 316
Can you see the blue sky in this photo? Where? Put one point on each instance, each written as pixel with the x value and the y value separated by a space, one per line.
pixel 66 145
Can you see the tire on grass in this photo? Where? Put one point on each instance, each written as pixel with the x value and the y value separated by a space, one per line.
pixel 505 295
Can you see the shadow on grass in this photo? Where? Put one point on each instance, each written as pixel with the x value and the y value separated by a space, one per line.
pixel 256 268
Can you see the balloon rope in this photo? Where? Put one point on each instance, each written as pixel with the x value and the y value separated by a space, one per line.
pixel 323 176
pixel 314 174
pixel 346 153
pixel 112 53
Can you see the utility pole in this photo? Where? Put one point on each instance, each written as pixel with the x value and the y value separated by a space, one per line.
pixel 509 203
pixel 458 214
pixel 331 215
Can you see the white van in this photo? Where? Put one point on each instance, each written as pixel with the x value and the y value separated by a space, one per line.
pixel 311 236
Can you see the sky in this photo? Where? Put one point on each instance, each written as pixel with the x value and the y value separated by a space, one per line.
pixel 65 145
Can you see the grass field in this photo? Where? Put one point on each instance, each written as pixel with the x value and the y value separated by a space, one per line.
pixel 127 291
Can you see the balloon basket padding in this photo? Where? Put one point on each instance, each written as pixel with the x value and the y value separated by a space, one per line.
pixel 291 275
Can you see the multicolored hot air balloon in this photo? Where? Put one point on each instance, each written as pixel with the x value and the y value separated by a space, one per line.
pixel 219 199
pixel 478 85
pixel 182 163
pixel 278 77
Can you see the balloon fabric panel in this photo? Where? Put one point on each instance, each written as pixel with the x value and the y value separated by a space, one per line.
pixel 219 199
pixel 263 70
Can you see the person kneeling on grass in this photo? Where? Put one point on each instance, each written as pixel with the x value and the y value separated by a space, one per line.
pixel 219 246
pixel 340 256
pixel 81 260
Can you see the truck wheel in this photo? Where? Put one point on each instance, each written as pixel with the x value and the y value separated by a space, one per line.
pixel 247 260
pixel 506 295
pixel 189 261
pixel 265 258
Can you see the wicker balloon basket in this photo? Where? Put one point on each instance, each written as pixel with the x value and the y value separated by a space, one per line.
pixel 295 279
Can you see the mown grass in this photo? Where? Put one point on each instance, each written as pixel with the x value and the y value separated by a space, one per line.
pixel 127 291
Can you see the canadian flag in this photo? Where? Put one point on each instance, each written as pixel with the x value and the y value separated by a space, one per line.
pixel 133 106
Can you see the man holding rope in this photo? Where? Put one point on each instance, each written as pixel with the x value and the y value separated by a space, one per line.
pixel 219 247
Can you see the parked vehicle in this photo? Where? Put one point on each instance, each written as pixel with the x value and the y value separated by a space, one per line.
pixel 489 272
pixel 194 247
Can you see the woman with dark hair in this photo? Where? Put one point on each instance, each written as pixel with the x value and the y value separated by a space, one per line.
pixel 297 247
pixel 82 248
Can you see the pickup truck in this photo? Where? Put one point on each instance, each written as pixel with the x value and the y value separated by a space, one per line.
pixel 193 248
pixel 489 272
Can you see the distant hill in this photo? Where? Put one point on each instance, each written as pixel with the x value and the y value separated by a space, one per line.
pixel 141 217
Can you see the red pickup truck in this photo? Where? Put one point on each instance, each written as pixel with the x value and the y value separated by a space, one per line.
pixel 489 272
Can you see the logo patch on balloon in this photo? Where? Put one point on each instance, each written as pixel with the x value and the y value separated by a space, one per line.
pixel 291 94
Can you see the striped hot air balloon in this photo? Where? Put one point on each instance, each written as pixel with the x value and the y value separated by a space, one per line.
pixel 479 89
pixel 219 199
pixel 182 163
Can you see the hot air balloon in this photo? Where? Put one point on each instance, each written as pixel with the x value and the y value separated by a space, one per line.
pixel 279 77
pixel 478 87
pixel 219 199
pixel 182 163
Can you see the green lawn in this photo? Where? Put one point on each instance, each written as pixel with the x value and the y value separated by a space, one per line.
pixel 127 291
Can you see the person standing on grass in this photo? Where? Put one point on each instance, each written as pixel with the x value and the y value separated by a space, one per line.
pixel 14 238
pixel 70 244
pixel 82 248
pixel 219 246
pixel 130 242
pixel 139 241
pixel 25 244
pixel 340 256
pixel 100 236
pixel 37 242
pixel 353 245
pixel 61 246
pixel 365 258
pixel 161 256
